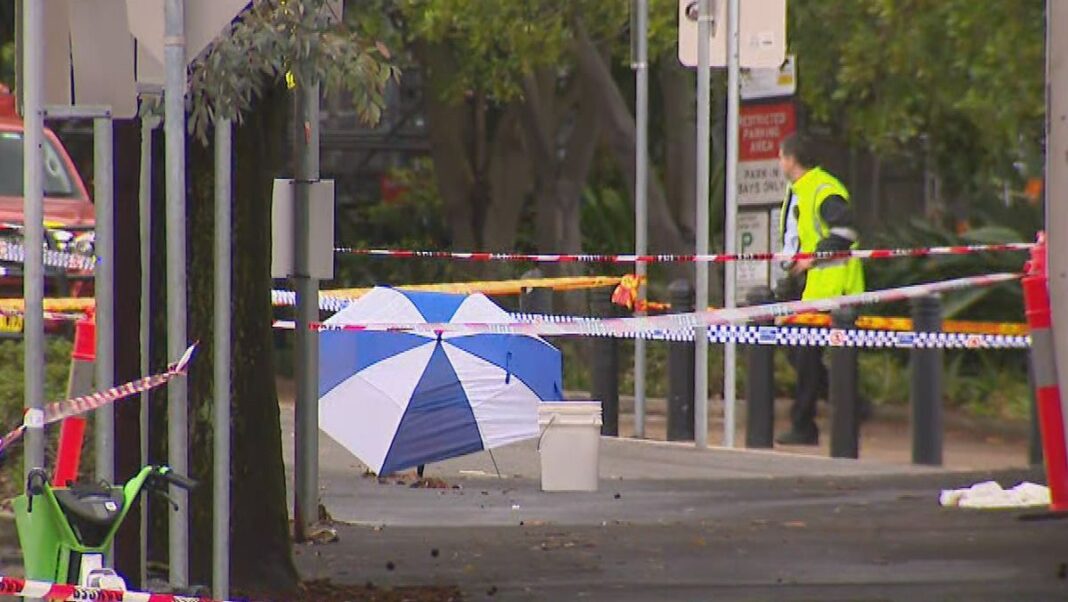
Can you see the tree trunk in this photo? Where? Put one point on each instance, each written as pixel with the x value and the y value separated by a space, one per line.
pixel 678 90
pixel 449 130
pixel 261 551
pixel 510 179
pixel 200 213
pixel 127 336
pixel 261 545
pixel 618 121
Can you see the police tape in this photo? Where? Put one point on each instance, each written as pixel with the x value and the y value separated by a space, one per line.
pixel 687 258
pixel 16 253
pixel 54 412
pixel 626 327
pixel 27 588
pixel 796 336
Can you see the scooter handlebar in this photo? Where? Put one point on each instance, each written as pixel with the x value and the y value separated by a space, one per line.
pixel 176 479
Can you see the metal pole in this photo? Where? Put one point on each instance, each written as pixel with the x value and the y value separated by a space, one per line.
pixel 221 511
pixel 1057 181
pixel 104 247
pixel 145 210
pixel 842 392
pixel 731 218
pixel 704 23
pixel 177 404
pixel 306 452
pixel 680 409
pixel 926 385
pixel 32 37
pixel 604 364
pixel 641 190
pixel 760 383
pixel 33 210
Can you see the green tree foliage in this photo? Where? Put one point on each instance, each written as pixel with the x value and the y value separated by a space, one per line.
pixel 301 37
pixel 968 76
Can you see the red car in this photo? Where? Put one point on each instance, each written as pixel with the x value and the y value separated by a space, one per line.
pixel 68 210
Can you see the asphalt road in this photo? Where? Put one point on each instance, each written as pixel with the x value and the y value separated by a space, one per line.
pixel 671 522
pixel 848 538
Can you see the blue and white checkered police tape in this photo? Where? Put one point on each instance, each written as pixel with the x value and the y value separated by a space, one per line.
pixel 747 334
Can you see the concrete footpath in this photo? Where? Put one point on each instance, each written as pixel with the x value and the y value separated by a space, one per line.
pixel 674 522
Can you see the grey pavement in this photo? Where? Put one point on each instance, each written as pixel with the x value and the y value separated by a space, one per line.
pixel 661 480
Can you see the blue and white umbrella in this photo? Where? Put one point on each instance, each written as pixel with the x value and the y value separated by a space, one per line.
pixel 397 400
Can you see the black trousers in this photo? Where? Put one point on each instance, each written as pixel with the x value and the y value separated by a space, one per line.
pixel 812 384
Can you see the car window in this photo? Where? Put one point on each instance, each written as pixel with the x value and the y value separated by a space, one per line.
pixel 58 181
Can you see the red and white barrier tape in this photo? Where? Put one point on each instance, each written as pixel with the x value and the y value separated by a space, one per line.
pixel 678 258
pixel 54 412
pixel 628 327
pixel 26 588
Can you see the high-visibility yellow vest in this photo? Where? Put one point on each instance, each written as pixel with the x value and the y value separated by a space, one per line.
pixel 830 278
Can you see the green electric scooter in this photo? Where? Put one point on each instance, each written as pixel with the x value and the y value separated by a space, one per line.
pixel 66 532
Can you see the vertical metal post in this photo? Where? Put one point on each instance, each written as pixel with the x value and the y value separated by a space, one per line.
pixel 104 247
pixel 33 211
pixel 306 453
pixel 144 208
pixel 731 215
pixel 177 403
pixel 760 384
pixel 641 190
pixel 926 385
pixel 845 418
pixel 680 407
pixel 605 364
pixel 1057 182
pixel 221 511
pixel 704 31
pixel 32 37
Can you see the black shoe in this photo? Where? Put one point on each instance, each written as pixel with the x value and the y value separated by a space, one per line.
pixel 795 437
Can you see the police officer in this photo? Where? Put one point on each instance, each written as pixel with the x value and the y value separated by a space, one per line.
pixel 816 216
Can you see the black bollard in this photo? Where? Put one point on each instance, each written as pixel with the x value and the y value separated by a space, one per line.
pixel 845 420
pixel 605 364
pixel 535 300
pixel 760 382
pixel 925 391
pixel 681 354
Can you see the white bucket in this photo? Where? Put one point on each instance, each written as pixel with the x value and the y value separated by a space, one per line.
pixel 569 445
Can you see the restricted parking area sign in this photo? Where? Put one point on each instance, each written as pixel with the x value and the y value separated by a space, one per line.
pixel 761 127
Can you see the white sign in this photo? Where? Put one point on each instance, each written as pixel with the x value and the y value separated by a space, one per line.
pixel 770 83
pixel 752 238
pixel 760 183
pixel 93 33
pixel 320 237
pixel 762 33
pixel 204 20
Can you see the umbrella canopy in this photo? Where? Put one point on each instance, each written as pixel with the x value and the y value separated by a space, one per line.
pixel 397 400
